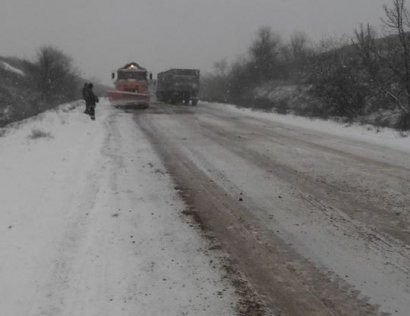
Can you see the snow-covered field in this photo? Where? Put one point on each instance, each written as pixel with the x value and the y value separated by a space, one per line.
pixel 91 224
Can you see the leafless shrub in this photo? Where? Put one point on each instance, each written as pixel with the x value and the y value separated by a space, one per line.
pixel 214 86
pixel 403 122
pixel 38 133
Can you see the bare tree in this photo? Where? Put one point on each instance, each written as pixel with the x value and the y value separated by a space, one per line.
pixel 54 74
pixel 221 67
pixel 214 87
pixel 387 60
pixel 299 46
pixel 295 55
pixel 376 63
pixel 264 54
pixel 397 19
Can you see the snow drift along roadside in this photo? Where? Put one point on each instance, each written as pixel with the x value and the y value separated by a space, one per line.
pixel 386 137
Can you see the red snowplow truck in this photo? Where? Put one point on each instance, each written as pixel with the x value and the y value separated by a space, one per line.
pixel 131 87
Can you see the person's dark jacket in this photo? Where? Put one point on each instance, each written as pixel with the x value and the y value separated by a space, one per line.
pixel 85 91
pixel 91 98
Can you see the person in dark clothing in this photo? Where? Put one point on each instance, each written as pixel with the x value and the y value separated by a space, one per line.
pixel 85 96
pixel 91 101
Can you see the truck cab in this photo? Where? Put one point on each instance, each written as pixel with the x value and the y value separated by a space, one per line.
pixel 131 86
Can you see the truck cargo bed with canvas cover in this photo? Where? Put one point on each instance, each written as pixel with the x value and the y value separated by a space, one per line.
pixel 178 86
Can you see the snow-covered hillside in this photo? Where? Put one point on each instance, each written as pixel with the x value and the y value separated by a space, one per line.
pixel 8 67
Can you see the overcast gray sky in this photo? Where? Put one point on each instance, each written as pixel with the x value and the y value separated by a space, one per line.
pixel 101 35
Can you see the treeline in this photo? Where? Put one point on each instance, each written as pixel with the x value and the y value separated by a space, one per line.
pixel 365 77
pixel 38 85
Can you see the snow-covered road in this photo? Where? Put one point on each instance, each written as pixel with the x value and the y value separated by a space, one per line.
pixel 316 214
pixel 90 224
pixel 103 218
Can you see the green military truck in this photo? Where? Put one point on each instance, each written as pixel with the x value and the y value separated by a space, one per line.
pixel 178 86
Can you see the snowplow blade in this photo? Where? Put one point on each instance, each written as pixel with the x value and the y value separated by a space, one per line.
pixel 128 99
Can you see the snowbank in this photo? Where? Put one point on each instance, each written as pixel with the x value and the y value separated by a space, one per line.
pixel 386 137
pixel 8 67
